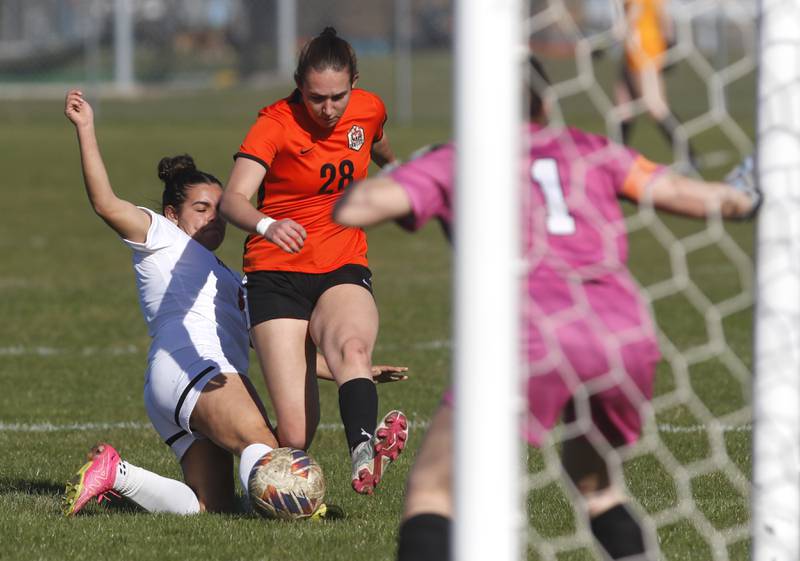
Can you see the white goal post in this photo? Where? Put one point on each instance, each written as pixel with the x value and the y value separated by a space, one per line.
pixel 776 386
pixel 489 518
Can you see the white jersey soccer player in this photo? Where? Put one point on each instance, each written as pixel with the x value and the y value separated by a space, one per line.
pixel 195 312
pixel 210 308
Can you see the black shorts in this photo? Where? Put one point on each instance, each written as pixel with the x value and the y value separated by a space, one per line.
pixel 286 294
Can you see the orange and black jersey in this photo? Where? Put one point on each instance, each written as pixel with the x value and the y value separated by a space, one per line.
pixel 308 169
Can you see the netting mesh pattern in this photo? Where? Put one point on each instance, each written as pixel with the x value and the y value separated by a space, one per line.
pixel 688 476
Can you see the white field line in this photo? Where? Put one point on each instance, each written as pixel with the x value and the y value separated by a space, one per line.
pixel 414 424
pixel 70 427
pixel 703 428
pixel 119 350
pixel 133 425
pixel 44 351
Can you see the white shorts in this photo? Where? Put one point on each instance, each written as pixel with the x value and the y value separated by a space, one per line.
pixel 173 384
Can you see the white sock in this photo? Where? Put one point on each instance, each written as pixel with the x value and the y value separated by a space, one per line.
pixel 250 456
pixel 153 492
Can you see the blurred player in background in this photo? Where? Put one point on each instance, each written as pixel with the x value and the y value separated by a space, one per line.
pixel 307 279
pixel 648 34
pixel 587 334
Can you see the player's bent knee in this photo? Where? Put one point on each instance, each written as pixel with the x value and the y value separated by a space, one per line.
pixel 258 436
pixel 355 349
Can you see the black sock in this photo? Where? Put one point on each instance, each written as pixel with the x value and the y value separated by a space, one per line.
pixel 618 532
pixel 626 128
pixel 358 406
pixel 668 125
pixel 424 537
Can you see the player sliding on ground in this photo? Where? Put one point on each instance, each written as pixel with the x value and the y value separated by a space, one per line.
pixel 584 320
pixel 197 393
pixel 194 309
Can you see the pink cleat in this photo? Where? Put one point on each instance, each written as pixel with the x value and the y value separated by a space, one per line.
pixel 94 479
pixel 371 458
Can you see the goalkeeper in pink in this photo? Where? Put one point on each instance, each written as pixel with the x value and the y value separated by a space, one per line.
pixel 589 340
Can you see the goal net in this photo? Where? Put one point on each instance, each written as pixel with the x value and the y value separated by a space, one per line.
pixel 697 481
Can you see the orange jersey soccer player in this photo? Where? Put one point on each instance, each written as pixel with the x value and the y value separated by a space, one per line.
pixel 646 41
pixel 308 284
pixel 648 34
pixel 308 169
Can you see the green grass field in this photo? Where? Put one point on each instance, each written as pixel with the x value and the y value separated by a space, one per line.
pixel 73 344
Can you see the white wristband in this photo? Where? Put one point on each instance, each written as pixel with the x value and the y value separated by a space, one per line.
pixel 263 224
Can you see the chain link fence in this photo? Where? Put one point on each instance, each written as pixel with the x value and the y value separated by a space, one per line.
pixel 197 43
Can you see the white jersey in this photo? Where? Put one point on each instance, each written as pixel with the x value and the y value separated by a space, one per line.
pixel 189 298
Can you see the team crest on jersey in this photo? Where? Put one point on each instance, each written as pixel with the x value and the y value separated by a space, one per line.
pixel 355 137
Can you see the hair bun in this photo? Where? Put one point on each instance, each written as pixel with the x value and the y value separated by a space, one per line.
pixel 328 32
pixel 170 167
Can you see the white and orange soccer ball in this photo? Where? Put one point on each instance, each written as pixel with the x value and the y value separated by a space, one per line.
pixel 286 483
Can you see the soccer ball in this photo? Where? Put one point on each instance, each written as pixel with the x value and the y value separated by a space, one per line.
pixel 286 483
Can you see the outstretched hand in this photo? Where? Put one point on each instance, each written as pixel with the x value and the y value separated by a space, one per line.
pixel 382 374
pixel 742 178
pixel 78 109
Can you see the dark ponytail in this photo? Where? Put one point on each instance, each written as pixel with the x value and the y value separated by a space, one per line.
pixel 326 50
pixel 179 173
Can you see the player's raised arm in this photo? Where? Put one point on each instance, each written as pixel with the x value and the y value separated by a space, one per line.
pixel 738 198
pixel 372 201
pixel 124 218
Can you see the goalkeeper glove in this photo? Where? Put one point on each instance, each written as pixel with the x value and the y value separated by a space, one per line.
pixel 742 178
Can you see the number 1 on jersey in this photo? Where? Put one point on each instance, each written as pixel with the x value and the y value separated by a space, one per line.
pixel 544 173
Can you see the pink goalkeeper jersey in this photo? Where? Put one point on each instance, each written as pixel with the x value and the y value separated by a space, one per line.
pixel 575 179
pixel 584 317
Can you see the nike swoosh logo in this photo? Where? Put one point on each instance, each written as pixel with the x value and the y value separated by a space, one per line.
pixel 304 151
pixel 367 283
